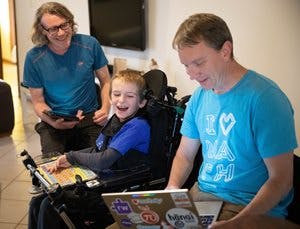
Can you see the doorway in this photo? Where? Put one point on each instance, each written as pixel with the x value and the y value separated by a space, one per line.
pixel 8 47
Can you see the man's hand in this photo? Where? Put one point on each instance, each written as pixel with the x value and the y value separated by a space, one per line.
pixel 169 187
pixel 62 124
pixel 224 224
pixel 253 221
pixel 101 117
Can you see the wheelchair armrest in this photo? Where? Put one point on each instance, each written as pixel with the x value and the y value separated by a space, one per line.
pixel 118 180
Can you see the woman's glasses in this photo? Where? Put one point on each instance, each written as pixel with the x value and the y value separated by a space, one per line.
pixel 54 30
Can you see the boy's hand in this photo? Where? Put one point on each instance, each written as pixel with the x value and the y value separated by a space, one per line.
pixel 60 163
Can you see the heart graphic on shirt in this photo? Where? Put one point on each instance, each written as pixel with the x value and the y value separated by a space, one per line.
pixel 227 122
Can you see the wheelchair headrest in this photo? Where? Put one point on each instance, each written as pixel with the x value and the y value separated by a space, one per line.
pixel 156 81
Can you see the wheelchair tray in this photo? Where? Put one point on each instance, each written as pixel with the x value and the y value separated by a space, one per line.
pixel 65 177
pixel 44 158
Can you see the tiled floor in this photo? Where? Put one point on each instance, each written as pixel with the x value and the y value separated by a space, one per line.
pixel 14 178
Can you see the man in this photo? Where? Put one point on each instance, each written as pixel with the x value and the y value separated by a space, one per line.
pixel 243 121
pixel 60 74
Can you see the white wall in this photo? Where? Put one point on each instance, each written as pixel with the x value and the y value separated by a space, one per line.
pixel 25 11
pixel 266 38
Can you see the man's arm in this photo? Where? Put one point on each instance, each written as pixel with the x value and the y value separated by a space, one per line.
pixel 183 162
pixel 39 105
pixel 279 183
pixel 38 101
pixel 256 221
pixel 101 115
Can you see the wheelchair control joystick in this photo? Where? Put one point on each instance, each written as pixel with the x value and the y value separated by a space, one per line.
pixel 78 179
pixel 79 190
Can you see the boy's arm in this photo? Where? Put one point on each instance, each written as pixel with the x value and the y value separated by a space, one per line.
pixel 94 161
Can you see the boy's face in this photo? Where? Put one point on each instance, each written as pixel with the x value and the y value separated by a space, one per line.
pixel 125 99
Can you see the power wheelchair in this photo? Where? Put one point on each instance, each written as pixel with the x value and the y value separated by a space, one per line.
pixel 79 205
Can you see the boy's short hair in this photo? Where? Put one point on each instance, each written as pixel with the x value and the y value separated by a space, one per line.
pixel 131 76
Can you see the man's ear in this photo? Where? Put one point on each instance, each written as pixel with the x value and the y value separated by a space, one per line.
pixel 226 50
pixel 143 103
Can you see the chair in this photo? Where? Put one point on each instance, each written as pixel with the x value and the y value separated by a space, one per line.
pixel 159 118
pixel 165 116
pixel 7 118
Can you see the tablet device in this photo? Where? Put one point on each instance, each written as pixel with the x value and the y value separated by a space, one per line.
pixel 55 116
pixel 67 176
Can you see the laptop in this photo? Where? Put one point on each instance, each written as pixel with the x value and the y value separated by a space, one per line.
pixel 208 211
pixel 157 209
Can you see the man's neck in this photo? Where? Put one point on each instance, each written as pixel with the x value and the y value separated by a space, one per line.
pixel 233 74
pixel 58 50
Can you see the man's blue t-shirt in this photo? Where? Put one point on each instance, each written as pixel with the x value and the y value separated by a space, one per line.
pixel 68 80
pixel 238 129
